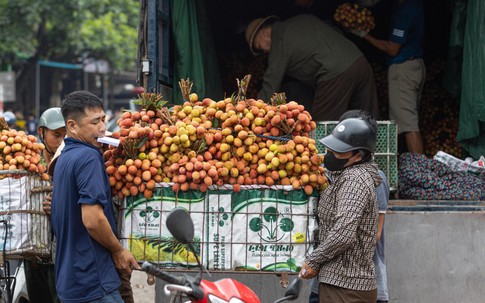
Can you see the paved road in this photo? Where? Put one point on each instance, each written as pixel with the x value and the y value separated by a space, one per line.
pixel 142 292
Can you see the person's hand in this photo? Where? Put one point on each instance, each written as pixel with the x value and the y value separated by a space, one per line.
pixel 46 204
pixel 307 272
pixel 359 33
pixel 125 261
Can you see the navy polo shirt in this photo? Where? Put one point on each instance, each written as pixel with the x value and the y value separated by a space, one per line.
pixel 407 29
pixel 84 268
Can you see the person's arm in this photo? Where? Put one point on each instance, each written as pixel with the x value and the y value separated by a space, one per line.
pixel 100 230
pixel 272 80
pixel 46 204
pixel 388 47
pixel 344 232
pixel 382 194
pixel 380 225
pixel 400 24
pixel 277 64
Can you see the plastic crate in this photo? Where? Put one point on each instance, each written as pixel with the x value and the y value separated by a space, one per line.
pixel 386 147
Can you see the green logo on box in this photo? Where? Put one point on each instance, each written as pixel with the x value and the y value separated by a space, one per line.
pixel 267 226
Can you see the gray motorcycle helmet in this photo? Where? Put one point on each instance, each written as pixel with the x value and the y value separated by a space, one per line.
pixel 52 119
pixel 349 135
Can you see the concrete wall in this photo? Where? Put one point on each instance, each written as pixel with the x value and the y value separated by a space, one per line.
pixel 436 256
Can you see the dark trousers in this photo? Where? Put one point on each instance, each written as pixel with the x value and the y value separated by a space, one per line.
pixel 125 289
pixel 355 88
pixel 313 298
pixel 40 279
pixel 41 286
pixel 330 293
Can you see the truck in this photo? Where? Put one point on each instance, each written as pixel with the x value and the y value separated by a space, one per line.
pixel 434 249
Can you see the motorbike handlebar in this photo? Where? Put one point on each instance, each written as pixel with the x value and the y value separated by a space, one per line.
pixel 154 270
pixel 148 267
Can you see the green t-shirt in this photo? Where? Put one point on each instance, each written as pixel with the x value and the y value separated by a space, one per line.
pixel 308 50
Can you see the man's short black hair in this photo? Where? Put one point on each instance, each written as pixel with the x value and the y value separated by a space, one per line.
pixel 75 104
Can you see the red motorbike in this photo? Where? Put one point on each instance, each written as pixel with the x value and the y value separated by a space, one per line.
pixel 185 288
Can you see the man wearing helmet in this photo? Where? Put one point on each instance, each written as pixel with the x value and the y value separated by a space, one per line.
pixel 10 119
pixel 39 274
pixel 347 214
pixel 51 130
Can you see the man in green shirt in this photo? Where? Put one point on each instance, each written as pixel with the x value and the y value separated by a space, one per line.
pixel 312 52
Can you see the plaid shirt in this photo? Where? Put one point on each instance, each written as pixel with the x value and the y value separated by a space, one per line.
pixel 347 213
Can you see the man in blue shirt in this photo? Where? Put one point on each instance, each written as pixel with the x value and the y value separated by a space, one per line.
pixel 88 251
pixel 407 73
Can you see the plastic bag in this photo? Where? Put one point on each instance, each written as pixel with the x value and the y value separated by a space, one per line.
pixel 468 165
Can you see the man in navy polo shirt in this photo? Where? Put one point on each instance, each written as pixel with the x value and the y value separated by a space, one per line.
pixel 407 73
pixel 88 251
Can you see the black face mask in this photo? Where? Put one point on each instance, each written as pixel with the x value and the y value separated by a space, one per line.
pixel 332 163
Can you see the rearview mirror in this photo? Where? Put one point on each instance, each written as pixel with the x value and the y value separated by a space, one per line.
pixel 180 225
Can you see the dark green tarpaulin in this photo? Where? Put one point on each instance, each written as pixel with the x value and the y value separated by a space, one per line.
pixel 471 132
pixel 454 62
pixel 194 54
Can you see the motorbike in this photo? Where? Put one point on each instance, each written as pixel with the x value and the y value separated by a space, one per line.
pixel 186 288
pixel 13 286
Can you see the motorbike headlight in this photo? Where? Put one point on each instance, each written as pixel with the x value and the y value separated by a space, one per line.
pixel 214 299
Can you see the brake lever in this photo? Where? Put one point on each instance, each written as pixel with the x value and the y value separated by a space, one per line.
pixel 169 288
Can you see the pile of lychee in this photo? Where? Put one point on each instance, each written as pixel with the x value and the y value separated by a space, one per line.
pixel 19 151
pixel 354 16
pixel 214 143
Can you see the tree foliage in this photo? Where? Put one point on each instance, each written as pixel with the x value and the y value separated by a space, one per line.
pixel 68 31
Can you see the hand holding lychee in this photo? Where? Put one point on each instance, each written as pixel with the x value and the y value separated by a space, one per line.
pixel 354 17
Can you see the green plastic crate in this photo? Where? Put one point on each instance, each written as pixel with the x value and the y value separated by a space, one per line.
pixel 386 147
